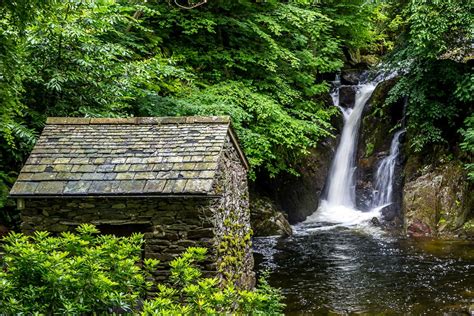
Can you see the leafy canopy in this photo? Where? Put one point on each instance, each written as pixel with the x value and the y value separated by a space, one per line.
pixel 121 58
pixel 432 56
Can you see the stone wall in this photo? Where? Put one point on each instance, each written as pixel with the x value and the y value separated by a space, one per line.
pixel 170 225
pixel 233 231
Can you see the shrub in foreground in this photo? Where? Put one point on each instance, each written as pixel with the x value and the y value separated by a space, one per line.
pixel 90 273
pixel 71 274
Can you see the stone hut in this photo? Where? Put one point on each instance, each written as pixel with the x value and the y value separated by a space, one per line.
pixel 182 181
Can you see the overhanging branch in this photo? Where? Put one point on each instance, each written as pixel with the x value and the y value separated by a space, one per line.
pixel 190 5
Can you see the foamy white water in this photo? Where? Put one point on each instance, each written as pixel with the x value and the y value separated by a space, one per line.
pixel 338 207
pixel 384 176
pixel 341 190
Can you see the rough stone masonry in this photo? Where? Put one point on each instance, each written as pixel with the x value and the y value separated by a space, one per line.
pixel 182 181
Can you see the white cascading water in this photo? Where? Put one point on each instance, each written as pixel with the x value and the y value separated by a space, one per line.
pixel 339 205
pixel 383 189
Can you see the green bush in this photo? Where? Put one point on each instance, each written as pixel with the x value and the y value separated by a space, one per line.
pixel 72 273
pixel 91 273
pixel 190 293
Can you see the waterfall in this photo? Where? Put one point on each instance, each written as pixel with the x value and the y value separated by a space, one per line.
pixel 341 186
pixel 339 204
pixel 383 189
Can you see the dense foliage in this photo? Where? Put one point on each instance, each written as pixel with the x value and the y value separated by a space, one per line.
pixel 191 294
pixel 434 57
pixel 70 274
pixel 110 58
pixel 263 63
pixel 89 273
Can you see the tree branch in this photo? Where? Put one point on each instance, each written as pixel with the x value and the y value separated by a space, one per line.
pixel 190 6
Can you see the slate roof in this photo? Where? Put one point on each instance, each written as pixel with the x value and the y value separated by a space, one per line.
pixel 131 156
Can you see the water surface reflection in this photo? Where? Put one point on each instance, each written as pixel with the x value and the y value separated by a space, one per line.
pixel 346 270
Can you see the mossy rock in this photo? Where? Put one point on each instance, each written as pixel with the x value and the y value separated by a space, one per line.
pixel 440 198
pixel 267 220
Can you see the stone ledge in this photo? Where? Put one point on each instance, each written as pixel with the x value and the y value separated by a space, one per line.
pixel 138 120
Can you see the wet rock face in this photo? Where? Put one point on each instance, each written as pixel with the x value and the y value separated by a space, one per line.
pixel 376 134
pixel 351 77
pixel 437 202
pixel 298 196
pixel 267 220
pixel 347 96
pixel 418 229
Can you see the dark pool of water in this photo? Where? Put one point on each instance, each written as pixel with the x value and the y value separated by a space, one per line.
pixel 350 271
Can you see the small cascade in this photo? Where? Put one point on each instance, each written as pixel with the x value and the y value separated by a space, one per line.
pixel 383 188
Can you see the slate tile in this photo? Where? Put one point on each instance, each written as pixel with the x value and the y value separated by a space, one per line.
pixel 122 168
pixel 79 161
pixel 68 176
pixel 24 188
pixel 125 176
pixel 50 187
pixel 77 187
pixel 44 176
pixel 187 166
pixel 106 168
pixel 62 160
pixel 173 159
pixel 199 185
pixel 33 161
pixel 133 186
pixel 92 176
pixel 153 160
pixel 62 168
pixel 47 161
pixel 25 176
pixel 98 161
pixel 188 174
pixel 154 186
pixel 134 160
pixel 118 160
pixel 168 188
pixel 206 166
pixel 141 167
pixel 109 176
pixel 145 175
pixel 179 186
pixel 33 168
pixel 210 158
pixel 102 187
pixel 83 168
pixel 206 174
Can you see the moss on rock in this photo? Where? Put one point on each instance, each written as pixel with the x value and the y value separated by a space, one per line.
pixel 439 198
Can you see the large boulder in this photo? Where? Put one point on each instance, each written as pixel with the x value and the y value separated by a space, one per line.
pixel 438 202
pixel 266 219
pixel 347 96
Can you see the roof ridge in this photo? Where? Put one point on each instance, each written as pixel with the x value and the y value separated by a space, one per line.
pixel 138 120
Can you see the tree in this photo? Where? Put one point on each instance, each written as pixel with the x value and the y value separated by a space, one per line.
pixel 432 57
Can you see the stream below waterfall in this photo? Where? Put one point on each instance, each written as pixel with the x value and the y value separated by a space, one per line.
pixel 354 271
pixel 338 262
